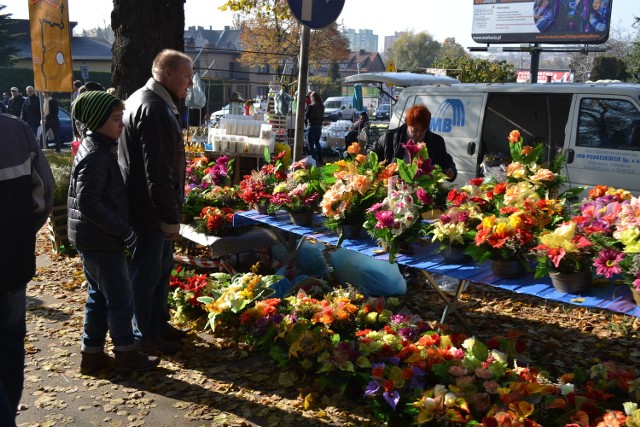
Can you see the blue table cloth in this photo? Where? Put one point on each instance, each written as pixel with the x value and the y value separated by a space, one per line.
pixel 617 298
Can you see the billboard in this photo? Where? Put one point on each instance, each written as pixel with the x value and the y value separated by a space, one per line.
pixel 541 21
pixel 546 76
pixel 51 45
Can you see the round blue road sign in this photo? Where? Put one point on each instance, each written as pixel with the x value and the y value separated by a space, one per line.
pixel 316 14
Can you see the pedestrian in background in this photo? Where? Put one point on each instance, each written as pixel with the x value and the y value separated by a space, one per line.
pixel 314 118
pixel 51 121
pixel 26 192
pixel 31 109
pixel 16 102
pixel 152 159
pixel 99 229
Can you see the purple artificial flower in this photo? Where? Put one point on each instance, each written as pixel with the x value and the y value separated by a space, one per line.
pixel 392 398
pixel 372 388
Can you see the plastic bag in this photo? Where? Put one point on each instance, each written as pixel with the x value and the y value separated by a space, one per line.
pixel 195 95
pixel 370 276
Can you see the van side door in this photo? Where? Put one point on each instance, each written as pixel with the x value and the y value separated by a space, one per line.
pixel 604 147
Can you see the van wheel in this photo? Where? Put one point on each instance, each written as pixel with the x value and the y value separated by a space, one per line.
pixel 339 116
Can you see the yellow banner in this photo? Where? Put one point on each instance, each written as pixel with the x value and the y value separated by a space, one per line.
pixel 51 45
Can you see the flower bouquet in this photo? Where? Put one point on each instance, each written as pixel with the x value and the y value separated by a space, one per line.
pixel 186 287
pixel 215 221
pixel 230 295
pixel 397 220
pixel 300 193
pixel 456 228
pixel 610 218
pixel 256 189
pixel 202 178
pixel 565 255
pixel 356 184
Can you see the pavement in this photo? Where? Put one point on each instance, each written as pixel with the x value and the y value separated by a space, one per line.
pixel 210 382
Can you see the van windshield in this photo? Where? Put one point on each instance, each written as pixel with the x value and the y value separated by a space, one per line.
pixel 332 104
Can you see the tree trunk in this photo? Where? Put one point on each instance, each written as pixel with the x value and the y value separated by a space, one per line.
pixel 142 28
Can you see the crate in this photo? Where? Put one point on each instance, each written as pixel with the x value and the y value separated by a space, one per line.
pixel 57 225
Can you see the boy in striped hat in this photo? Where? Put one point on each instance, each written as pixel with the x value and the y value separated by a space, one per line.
pixel 99 229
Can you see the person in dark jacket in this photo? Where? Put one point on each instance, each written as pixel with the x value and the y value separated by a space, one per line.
pixel 152 160
pixel 51 120
pixel 98 226
pixel 356 128
pixel 26 192
pixel 31 109
pixel 416 127
pixel 16 102
pixel 314 118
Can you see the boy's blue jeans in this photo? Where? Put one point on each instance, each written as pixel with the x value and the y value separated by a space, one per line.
pixel 12 332
pixel 109 303
pixel 150 273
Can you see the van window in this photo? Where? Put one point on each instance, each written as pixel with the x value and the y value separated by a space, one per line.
pixel 608 123
pixel 539 118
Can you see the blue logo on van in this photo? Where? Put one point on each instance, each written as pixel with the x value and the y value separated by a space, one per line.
pixel 449 114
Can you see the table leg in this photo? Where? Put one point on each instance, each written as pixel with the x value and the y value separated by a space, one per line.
pixel 450 304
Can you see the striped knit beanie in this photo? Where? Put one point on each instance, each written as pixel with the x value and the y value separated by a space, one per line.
pixel 93 108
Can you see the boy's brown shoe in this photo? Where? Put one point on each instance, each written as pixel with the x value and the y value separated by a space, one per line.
pixel 93 363
pixel 133 360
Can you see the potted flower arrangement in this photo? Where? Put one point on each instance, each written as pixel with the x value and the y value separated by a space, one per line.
pixel 397 220
pixel 215 221
pixel 256 189
pixel 521 207
pixel 203 177
pixel 610 218
pixel 455 230
pixel 299 194
pixel 565 254
pixel 355 185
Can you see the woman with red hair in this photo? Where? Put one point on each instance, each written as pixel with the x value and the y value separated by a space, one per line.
pixel 416 127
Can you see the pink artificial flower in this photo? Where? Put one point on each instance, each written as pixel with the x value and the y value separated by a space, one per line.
pixel 607 262
pixel 385 219
pixel 412 148
pixel 424 196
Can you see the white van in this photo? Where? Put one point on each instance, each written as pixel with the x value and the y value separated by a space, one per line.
pixel 339 108
pixel 596 125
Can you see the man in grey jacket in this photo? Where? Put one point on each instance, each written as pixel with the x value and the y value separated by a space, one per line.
pixel 26 192
pixel 152 159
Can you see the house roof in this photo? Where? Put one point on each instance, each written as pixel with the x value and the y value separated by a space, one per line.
pixel 82 48
pixel 363 62
pixel 219 39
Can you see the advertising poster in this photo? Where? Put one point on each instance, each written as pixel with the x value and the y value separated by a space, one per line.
pixel 541 21
pixel 51 45
pixel 546 76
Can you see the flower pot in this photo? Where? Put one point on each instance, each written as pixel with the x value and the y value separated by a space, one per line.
pixel 304 219
pixel 508 269
pixel 261 208
pixel 571 283
pixel 350 231
pixel 455 255
pixel 636 296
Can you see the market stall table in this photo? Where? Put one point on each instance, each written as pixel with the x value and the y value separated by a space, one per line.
pixel 250 239
pixel 426 259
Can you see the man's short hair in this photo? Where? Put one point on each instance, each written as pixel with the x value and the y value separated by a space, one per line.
pixel 168 59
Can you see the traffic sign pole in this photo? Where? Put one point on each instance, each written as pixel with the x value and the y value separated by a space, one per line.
pixel 303 72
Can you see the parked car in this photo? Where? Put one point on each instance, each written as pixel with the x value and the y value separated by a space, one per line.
pixel 383 112
pixel 339 108
pixel 66 129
